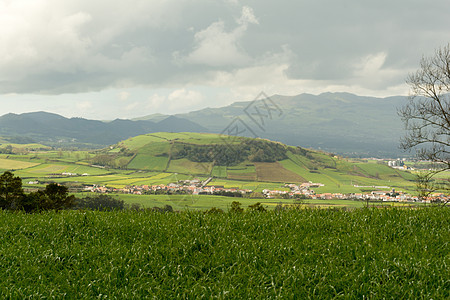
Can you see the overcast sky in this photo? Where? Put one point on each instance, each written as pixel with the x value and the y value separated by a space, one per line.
pixel 121 59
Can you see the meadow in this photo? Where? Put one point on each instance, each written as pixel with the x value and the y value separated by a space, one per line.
pixel 189 202
pixel 305 254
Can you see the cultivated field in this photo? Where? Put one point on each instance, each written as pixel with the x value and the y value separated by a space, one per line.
pixel 275 172
pixel 147 160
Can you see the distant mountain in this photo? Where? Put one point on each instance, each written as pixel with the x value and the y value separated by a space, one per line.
pixel 178 124
pixel 152 117
pixel 335 122
pixel 55 130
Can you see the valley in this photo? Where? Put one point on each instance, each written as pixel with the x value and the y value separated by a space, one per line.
pixel 157 169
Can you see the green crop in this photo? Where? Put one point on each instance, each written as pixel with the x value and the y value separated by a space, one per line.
pixel 364 253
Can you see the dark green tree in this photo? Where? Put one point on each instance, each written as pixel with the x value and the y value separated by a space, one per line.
pixel 236 207
pixel 11 191
pixel 100 202
pixel 257 207
pixel 56 197
pixel 30 202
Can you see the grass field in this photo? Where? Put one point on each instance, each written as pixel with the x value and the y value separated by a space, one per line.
pixel 140 141
pixel 8 164
pixel 151 154
pixel 205 202
pixel 149 162
pixel 303 254
pixel 219 171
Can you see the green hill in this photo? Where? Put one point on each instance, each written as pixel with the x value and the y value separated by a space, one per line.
pixel 249 160
pixel 241 162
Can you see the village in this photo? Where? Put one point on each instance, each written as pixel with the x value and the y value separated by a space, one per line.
pixel 289 191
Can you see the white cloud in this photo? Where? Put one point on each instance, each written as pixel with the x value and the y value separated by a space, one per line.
pixel 371 72
pixel 155 102
pixel 218 47
pixel 180 100
pixel 44 39
pixel 184 97
pixel 37 37
pixel 110 47
pixel 247 17
pixel 370 64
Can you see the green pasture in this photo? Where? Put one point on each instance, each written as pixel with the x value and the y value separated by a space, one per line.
pixel 155 149
pixel 9 164
pixel 140 141
pixel 32 146
pixel 148 162
pixel 243 171
pixel 219 171
pixel 205 202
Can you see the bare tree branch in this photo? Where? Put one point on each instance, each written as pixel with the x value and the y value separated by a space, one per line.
pixel 427 115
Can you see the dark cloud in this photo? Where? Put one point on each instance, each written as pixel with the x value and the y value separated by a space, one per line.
pixel 77 46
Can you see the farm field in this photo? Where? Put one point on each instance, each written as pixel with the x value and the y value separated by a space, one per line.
pixel 307 253
pixel 275 172
pixel 149 160
pixel 205 202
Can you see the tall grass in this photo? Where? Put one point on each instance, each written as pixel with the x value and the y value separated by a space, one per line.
pixel 365 253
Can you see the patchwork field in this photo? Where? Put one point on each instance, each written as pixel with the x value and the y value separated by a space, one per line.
pixel 147 160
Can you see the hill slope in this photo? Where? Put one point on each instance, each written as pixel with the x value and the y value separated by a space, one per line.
pixel 248 160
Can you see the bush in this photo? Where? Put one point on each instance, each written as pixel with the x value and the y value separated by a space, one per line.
pixel 236 207
pixel 100 202
pixel 214 210
pixel 257 207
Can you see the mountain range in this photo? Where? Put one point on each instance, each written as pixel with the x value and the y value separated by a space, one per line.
pixel 335 122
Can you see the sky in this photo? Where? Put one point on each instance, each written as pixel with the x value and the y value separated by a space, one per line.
pixel 123 59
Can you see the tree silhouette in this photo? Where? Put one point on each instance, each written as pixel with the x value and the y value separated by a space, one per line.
pixel 427 113
pixel 11 190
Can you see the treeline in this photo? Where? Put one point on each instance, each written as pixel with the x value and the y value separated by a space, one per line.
pixel 113 160
pixel 53 197
pixel 13 197
pixel 232 154
pixel 6 150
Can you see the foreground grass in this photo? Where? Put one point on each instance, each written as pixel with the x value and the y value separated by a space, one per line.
pixel 374 253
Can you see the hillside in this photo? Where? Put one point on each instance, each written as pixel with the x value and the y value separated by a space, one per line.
pixel 247 160
pixel 240 162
